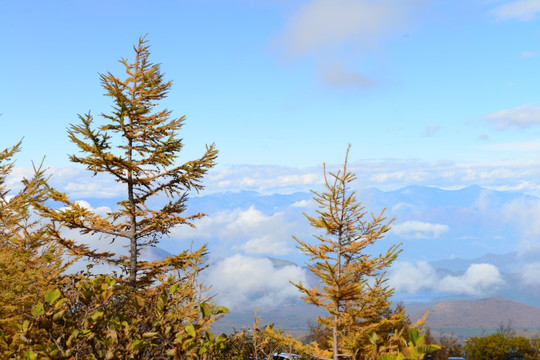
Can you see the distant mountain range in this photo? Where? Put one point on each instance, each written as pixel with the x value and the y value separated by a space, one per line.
pixel 462 318
pixel 488 313
pixel 465 318
pixel 448 230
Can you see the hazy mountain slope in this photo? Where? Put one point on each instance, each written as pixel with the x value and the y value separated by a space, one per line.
pixel 481 314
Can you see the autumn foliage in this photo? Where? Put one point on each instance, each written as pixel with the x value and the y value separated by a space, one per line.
pixel 352 288
pixel 29 261
pixel 137 146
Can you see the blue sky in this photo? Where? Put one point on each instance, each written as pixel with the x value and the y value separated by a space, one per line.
pixel 428 92
pixel 291 83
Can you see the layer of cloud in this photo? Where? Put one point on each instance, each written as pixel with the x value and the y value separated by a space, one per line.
pixel 518 173
pixel 419 230
pixel 521 117
pixel 522 10
pixel 264 179
pixel 254 282
pixel 415 277
pixel 389 174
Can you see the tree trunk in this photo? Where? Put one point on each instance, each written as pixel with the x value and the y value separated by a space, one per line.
pixel 133 241
pixel 335 340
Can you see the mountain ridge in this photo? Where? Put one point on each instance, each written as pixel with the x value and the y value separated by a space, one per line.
pixel 488 313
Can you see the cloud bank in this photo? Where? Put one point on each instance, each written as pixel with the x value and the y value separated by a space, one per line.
pixel 520 173
pixel 516 173
pixel 415 277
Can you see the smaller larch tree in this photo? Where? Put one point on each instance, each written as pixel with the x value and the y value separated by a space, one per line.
pixel 29 261
pixel 138 146
pixel 352 283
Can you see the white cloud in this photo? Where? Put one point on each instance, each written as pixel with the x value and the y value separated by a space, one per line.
pixel 255 282
pixel 521 117
pixel 266 245
pixel 94 188
pixel 415 277
pixel 249 230
pixel 419 230
pixel 477 279
pixel 264 179
pixel 523 10
pixel 304 204
pixel 101 210
pixel 79 183
pixel 412 278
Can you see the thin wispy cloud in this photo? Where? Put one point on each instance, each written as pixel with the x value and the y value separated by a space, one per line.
pixel 529 54
pixel 521 117
pixel 320 24
pixel 336 74
pixel 522 10
pixel 430 130
pixel 340 32
pixel 483 137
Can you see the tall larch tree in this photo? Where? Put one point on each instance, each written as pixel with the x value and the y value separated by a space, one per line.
pixel 138 145
pixel 29 261
pixel 352 288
